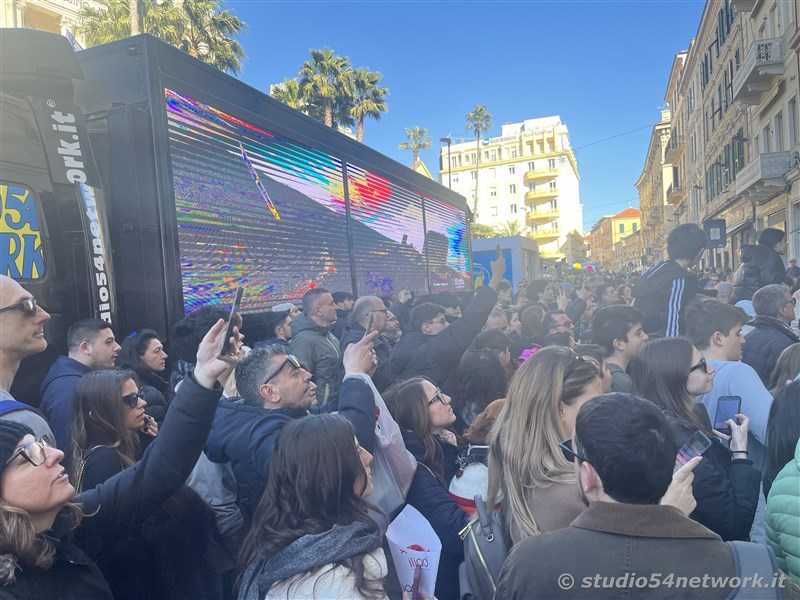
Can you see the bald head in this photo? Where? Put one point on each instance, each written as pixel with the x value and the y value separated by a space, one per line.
pixel 370 305
pixel 21 328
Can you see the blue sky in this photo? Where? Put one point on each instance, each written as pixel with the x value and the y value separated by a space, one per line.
pixel 601 66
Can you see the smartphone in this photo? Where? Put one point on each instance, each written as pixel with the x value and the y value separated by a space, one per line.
pixel 369 325
pixel 694 446
pixel 499 253
pixel 727 408
pixel 225 346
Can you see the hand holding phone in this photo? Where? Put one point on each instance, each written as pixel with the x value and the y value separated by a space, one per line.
pixel 225 346
pixel 369 325
pixel 727 409
pixel 694 446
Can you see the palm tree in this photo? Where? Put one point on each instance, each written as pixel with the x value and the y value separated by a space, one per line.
pixel 324 79
pixel 208 34
pixel 478 231
pixel 198 27
pixel 418 139
pixel 510 228
pixel 479 121
pixel 369 99
pixel 288 92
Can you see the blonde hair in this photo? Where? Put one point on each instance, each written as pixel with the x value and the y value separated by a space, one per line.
pixel 524 452
pixel 20 543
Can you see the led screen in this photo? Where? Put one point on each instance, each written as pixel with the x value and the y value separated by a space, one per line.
pixel 256 208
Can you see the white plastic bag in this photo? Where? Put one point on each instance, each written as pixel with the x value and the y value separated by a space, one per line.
pixel 393 466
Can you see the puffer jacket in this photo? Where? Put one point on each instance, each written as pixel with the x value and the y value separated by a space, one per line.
pixel 783 517
pixel 429 495
pixel 765 342
pixel 760 266
pixel 115 508
pixel 437 356
pixel 318 349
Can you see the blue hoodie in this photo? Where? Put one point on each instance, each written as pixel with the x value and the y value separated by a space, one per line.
pixel 57 395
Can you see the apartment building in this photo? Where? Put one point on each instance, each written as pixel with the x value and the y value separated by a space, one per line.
pixel 657 182
pixel 527 176
pixel 55 16
pixel 734 130
pixel 608 232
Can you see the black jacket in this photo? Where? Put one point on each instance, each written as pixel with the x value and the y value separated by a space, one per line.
pixel 764 344
pixel 662 294
pixel 429 495
pixel 115 508
pixel 726 490
pixel 760 266
pixel 245 436
pixel 383 377
pixel 437 356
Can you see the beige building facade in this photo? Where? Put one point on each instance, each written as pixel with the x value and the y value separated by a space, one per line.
pixel 55 16
pixel 527 176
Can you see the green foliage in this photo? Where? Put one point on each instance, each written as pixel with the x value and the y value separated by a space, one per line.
pixel 478 231
pixel 198 27
pixel 511 228
pixel 418 139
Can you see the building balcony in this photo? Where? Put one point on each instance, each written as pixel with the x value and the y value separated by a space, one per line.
pixel 539 196
pixel 743 5
pixel 672 150
pixel 539 175
pixel 675 193
pixel 760 70
pixel 542 216
pixel 763 178
pixel 544 236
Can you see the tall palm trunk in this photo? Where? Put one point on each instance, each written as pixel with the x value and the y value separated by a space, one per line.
pixel 133 9
pixel 329 113
pixel 477 175
pixel 360 132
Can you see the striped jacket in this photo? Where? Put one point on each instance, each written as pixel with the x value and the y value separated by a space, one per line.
pixel 662 294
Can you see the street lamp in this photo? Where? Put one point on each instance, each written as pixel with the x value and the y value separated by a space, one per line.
pixel 448 141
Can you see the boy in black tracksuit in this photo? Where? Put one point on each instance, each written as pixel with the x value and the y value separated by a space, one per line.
pixel 664 292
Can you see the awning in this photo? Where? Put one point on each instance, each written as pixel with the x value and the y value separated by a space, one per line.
pixel 741 226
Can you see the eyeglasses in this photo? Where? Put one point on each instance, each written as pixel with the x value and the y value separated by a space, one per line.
pixel 702 365
pixel 133 398
pixel 27 306
pixel 569 453
pixel 383 310
pixel 33 452
pixel 291 359
pixel 439 397
pixel 792 301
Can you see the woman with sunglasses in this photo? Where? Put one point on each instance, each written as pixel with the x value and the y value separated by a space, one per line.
pixel 109 432
pixel 143 353
pixel 529 476
pixel 425 415
pixel 312 535
pixel 672 373
pixel 50 538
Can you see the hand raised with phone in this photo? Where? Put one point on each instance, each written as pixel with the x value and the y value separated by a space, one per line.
pixel 738 435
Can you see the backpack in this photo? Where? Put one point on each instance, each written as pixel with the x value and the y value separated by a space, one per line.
pixel 485 551
pixel 755 565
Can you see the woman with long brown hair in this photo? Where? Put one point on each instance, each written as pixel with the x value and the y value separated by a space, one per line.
pixel 672 373
pixel 529 476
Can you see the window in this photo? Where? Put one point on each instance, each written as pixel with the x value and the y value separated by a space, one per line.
pixel 493 211
pixel 512 189
pixel 513 153
pixel 455 177
pixel 493 156
pixel 513 209
pixel 622 227
pixel 473 175
pixel 551 163
pixel 791 114
pixel 492 192
pixel 779 132
pixel 531 166
pixel 511 170
pixel 766 139
pixel 486 155
pixel 552 185
pixel 635 227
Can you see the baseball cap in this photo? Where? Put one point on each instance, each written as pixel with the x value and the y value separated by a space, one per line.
pixel 286 306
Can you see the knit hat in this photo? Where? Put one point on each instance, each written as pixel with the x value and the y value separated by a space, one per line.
pixel 11 433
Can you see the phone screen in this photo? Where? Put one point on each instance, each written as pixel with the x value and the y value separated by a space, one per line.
pixel 694 446
pixel 225 346
pixel 727 408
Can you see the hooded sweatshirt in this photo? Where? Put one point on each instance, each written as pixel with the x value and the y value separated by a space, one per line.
pixel 318 349
pixel 662 294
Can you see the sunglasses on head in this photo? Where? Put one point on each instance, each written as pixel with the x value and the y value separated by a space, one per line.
pixel 132 399
pixel 27 306
pixel 290 360
pixel 702 365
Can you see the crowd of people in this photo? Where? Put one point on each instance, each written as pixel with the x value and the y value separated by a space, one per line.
pixel 158 467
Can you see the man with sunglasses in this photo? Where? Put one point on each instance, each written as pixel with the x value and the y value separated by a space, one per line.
pixel 21 335
pixel 631 541
pixel 772 329
pixel 370 310
pixel 275 388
